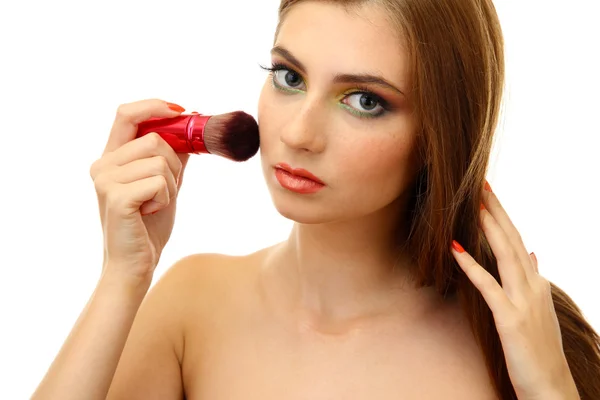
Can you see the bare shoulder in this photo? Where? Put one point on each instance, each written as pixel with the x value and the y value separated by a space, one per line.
pixel 151 364
pixel 209 274
pixel 457 360
pixel 200 284
pixel 226 330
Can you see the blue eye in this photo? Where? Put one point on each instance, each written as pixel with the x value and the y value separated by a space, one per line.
pixel 361 102
pixel 286 78
pixel 365 103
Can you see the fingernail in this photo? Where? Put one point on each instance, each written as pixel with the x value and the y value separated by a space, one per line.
pixel 481 206
pixel 456 246
pixel 487 186
pixel 534 256
pixel 175 107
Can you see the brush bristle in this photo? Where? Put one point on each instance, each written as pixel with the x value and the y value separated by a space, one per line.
pixel 233 135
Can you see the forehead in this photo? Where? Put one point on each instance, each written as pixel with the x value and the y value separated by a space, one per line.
pixel 328 38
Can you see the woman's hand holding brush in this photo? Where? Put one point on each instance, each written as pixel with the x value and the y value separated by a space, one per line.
pixel 137 181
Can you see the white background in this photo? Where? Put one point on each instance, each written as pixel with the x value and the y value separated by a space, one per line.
pixel 66 66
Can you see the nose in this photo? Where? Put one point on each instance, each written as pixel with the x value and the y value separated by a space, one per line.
pixel 305 130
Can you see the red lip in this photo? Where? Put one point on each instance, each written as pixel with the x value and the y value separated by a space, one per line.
pixel 299 172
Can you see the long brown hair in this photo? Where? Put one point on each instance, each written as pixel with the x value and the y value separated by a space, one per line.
pixel 456 61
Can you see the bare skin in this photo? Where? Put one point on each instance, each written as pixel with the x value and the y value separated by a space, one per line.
pixel 218 327
pixel 327 314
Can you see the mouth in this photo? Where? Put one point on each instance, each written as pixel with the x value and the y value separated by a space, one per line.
pixel 297 180
pixel 299 172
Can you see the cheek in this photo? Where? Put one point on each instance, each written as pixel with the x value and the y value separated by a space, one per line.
pixel 383 164
pixel 263 104
pixel 266 117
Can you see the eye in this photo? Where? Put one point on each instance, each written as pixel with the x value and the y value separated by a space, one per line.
pixel 365 103
pixel 287 78
pixel 362 102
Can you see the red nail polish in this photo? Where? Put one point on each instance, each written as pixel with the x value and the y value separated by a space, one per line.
pixel 456 246
pixel 482 207
pixel 175 107
pixel 487 186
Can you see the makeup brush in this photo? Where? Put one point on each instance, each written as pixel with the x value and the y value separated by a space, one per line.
pixel 232 135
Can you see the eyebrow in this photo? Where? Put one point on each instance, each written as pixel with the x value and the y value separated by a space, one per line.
pixel 339 78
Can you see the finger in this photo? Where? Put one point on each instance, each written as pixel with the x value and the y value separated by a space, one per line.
pixel 148 146
pixel 146 168
pixel 490 289
pixel 183 158
pixel 128 117
pixel 492 204
pixel 534 261
pixel 512 273
pixel 128 198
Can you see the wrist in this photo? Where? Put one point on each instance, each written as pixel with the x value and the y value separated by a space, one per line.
pixel 133 270
pixel 114 279
pixel 563 388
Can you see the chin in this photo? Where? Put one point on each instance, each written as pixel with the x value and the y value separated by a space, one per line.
pixel 302 208
pixel 298 209
pixel 302 216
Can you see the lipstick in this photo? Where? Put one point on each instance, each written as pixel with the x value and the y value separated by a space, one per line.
pixel 297 180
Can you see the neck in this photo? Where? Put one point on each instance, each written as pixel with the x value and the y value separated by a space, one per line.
pixel 343 271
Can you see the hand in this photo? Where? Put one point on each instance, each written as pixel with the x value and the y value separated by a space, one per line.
pixel 523 309
pixel 137 181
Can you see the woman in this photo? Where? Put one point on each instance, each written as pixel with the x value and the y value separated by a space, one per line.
pixel 392 106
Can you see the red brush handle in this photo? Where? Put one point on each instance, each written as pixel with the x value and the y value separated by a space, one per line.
pixel 184 133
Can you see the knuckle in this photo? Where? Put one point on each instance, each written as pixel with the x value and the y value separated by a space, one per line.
pixel 541 285
pixel 153 140
pixel 124 111
pixel 164 188
pixel 488 283
pixel 163 164
pixel 164 184
pixel 101 183
pixel 94 168
pixel 471 265
pixel 100 165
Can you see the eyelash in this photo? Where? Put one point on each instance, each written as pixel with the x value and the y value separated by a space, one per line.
pixel 359 90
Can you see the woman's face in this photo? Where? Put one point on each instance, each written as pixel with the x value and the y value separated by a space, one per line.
pixel 334 106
